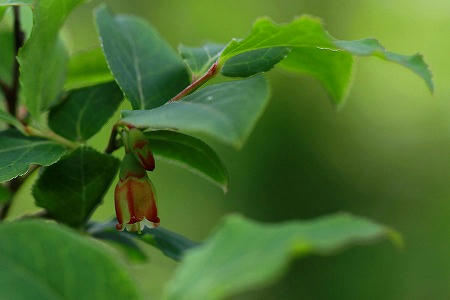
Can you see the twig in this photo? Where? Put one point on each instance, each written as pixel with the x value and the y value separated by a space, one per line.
pixel 19 36
pixel 212 71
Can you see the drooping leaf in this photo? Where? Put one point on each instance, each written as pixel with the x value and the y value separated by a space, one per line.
pixel 332 68
pixel 308 32
pixel 71 189
pixel 18 152
pixel 170 243
pixel 8 118
pixel 43 58
pixel 6 56
pixel 5 194
pixel 199 59
pixel 189 153
pixel 244 254
pixel 147 69
pixel 84 111
pixel 87 68
pixel 372 47
pixel 225 111
pixel 42 260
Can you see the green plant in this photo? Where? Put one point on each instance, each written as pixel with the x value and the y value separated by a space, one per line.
pixel 65 100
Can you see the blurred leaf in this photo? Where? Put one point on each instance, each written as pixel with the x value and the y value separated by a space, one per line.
pixel 147 69
pixel 332 68
pixel 42 260
pixel 5 194
pixel 84 111
pixel 16 2
pixel 225 111
pixel 87 68
pixel 170 243
pixel 18 152
pixel 244 254
pixel 6 56
pixel 308 32
pixel 71 189
pixel 43 58
pixel 2 12
pixel 189 153
pixel 8 118
pixel 199 59
pixel 253 62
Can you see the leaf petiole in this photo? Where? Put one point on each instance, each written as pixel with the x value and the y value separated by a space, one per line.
pixel 212 71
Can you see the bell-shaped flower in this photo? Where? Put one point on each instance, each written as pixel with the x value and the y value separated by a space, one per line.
pixel 134 197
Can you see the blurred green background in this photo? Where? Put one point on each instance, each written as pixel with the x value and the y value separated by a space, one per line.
pixel 385 155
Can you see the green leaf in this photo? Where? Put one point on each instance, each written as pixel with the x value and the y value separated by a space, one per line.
pixel 244 254
pixel 84 111
pixel 332 68
pixel 124 242
pixel 253 62
pixel 43 260
pixel 43 58
pixel 371 47
pixel 190 153
pixel 314 52
pixel 87 68
pixel 6 56
pixel 5 194
pixel 8 118
pixel 170 243
pixel 18 152
pixel 199 59
pixel 144 65
pixel 225 111
pixel 71 189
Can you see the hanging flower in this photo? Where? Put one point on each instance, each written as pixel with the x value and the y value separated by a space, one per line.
pixel 134 197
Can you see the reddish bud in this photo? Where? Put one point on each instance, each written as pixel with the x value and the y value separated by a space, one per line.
pixel 138 144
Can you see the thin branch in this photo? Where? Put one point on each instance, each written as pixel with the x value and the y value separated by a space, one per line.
pixel 19 37
pixel 212 71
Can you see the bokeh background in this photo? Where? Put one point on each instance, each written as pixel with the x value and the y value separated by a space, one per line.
pixel 385 155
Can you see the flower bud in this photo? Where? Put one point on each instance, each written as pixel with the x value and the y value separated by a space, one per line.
pixel 138 144
pixel 134 197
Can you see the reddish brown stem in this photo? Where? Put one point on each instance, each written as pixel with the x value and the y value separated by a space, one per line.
pixel 212 71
